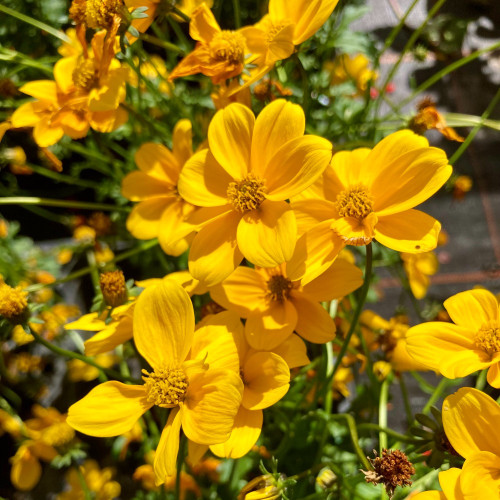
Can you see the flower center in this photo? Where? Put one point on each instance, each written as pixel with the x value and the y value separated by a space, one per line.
pixel 95 14
pixel 165 388
pixel 13 303
pixel 355 202
pixel 488 338
pixel 113 287
pixel 84 75
pixel 228 46
pixel 247 194
pixel 279 288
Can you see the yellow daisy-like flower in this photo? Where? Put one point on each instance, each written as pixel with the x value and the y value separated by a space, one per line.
pixel 418 268
pixel 219 54
pixel 368 194
pixel 469 345
pixel 87 92
pixel 203 397
pixel 251 167
pixel 161 211
pixel 356 68
pixel 274 304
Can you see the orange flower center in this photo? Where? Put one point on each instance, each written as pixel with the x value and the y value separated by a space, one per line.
pixel 228 46
pixel 355 202
pixel 488 338
pixel 84 75
pixel 279 288
pixel 247 194
pixel 13 303
pixel 165 388
pixel 113 288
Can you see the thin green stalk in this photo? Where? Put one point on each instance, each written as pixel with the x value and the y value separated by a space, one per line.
pixel 94 271
pixel 409 44
pixel 382 413
pixel 441 74
pixel 237 14
pixel 38 24
pixel 180 462
pixel 491 106
pixel 406 399
pixel 74 355
pixel 85 487
pixel 85 270
pixel 353 432
pixel 10 55
pixel 438 392
pixel 179 12
pixel 48 202
pixel 357 312
pixel 481 380
pixel 161 43
pixel 389 432
pixel 67 179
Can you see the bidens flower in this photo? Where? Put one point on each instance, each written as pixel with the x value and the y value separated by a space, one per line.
pixel 471 344
pixel 202 400
pixel 161 211
pixel 251 168
pixel 354 68
pixel 369 194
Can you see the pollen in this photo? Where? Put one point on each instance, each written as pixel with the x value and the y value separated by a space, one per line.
pixel 85 75
pixel 355 202
pixel 95 14
pixel 279 288
pixel 488 338
pixel 247 194
pixel 13 303
pixel 228 46
pixel 166 388
pixel 113 287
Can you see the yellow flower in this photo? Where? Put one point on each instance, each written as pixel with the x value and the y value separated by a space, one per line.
pixel 189 6
pixel 64 255
pixel 274 304
pixel 161 211
pixel 87 92
pixel 261 488
pixel 418 268
pixel 219 54
pixel 203 397
pixel 471 344
pixel 450 485
pixel 470 421
pixel 152 69
pixel 13 303
pixel 4 228
pixel 288 24
pixel 340 382
pixel 351 68
pixel 266 379
pixel 226 93
pixel 368 194
pixel 79 370
pixel 98 481
pixel 242 182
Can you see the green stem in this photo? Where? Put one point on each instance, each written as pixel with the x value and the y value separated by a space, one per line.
pixel 67 179
pixel 438 391
pixel 237 14
pixel 389 432
pixel 85 270
pixel 74 355
pixel 491 106
pixel 181 14
pixel 38 24
pixel 9 55
pixel 94 271
pixel 86 492
pixel 382 413
pixel 48 202
pixel 353 432
pixel 357 312
pixel 481 380
pixel 180 461
pixel 406 399
pixel 161 43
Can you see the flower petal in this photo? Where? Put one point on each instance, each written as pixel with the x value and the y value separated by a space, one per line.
pixel 110 409
pixel 296 165
pixel 344 171
pixel 203 182
pixel 310 212
pixel 115 334
pixel 245 433
pixel 480 476
pixel 411 231
pixel 174 231
pixel 26 470
pixel 472 309
pixel 267 236
pixel 164 324
pixel 339 280
pixel 214 253
pixel 314 323
pixel 449 480
pixel 294 351
pixel 182 141
pixel 267 378
pixel 278 123
pixel 203 25
pixel 165 462
pixel 144 219
pixel 230 138
pixel 158 162
pixel 45 90
pixel 244 291
pixel 46 135
pixel 211 404
pixel 138 186
pixel 267 330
